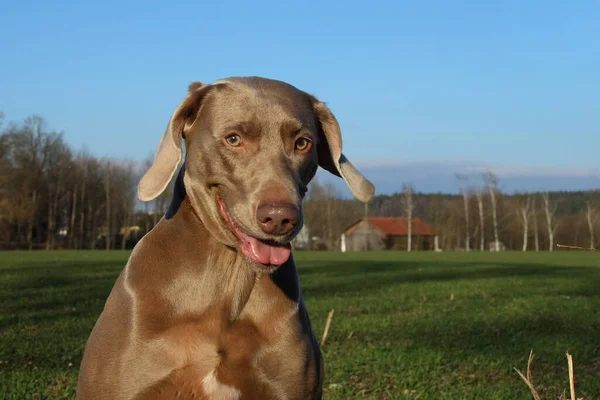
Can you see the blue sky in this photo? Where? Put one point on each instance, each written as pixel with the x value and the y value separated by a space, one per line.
pixel 507 83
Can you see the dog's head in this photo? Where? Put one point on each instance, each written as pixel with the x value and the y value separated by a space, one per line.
pixel 252 147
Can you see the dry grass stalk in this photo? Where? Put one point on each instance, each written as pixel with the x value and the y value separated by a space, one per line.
pixel 529 381
pixel 571 377
pixel 565 246
pixel 327 324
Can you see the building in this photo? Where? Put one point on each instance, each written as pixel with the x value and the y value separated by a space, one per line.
pixel 375 233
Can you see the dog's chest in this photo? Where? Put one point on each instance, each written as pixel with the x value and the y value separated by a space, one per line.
pixel 261 354
pixel 254 362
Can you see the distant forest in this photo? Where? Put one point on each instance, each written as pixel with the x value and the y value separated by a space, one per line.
pixel 55 197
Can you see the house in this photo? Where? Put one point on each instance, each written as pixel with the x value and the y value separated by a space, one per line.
pixel 376 233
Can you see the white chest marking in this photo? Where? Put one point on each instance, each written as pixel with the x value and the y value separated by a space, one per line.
pixel 216 390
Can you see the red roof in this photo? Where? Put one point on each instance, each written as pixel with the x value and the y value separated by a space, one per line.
pixel 398 226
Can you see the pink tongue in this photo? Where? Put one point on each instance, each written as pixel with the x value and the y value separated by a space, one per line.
pixel 263 253
pixel 255 250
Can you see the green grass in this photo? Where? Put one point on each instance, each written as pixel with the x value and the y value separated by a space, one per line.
pixel 408 338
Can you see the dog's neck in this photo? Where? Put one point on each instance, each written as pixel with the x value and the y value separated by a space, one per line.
pixel 223 277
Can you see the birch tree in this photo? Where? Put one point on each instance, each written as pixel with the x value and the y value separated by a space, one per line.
pixel 590 216
pixel 524 212
pixel 536 231
pixel 549 212
pixel 479 195
pixel 463 179
pixel 491 182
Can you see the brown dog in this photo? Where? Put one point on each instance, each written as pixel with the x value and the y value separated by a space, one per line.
pixel 209 305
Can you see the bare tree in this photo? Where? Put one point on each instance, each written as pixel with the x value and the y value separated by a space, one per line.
pixel 6 171
pixel 408 202
pixel 126 198
pixel 29 143
pixel 107 174
pixel 549 212
pixel 536 231
pixel 590 216
pixel 463 179
pixel 78 183
pixel 73 216
pixel 524 216
pixel 492 184
pixel 479 196
pixel 93 200
pixel 57 167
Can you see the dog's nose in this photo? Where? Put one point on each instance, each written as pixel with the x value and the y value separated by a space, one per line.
pixel 277 219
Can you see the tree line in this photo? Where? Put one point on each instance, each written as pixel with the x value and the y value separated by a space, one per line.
pixel 479 217
pixel 55 197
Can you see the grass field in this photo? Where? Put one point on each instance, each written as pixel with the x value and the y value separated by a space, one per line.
pixel 397 332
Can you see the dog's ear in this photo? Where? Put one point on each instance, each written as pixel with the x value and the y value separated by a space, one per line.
pixel 331 158
pixel 169 154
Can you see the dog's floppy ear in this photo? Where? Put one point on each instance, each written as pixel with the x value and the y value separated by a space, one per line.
pixel 168 155
pixel 331 158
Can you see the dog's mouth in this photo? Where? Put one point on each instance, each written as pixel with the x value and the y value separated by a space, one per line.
pixel 264 253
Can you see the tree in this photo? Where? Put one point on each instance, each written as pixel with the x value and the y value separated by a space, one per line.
pixel 463 179
pixel 536 232
pixel 126 195
pixel 95 199
pixel 590 216
pixel 492 184
pixel 549 212
pixel 107 179
pixel 5 174
pixel 479 196
pixel 57 167
pixel 29 144
pixel 524 215
pixel 408 202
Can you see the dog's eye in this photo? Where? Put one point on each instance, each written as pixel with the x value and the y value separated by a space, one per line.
pixel 302 144
pixel 234 140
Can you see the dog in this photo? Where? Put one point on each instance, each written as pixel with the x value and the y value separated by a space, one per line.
pixel 209 304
